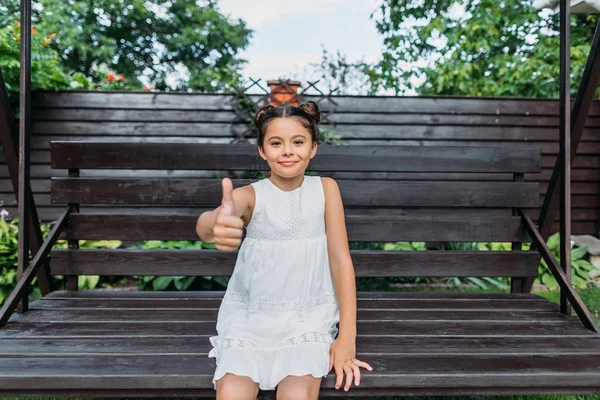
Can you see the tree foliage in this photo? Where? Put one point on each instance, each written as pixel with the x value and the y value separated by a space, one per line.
pixel 143 40
pixel 476 48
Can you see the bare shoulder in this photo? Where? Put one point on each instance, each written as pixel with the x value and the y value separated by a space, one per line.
pixel 332 191
pixel 329 185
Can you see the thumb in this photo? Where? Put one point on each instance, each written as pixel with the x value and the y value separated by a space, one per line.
pixel 227 200
pixel 330 362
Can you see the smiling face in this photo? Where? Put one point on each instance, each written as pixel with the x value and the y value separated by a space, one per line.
pixel 286 140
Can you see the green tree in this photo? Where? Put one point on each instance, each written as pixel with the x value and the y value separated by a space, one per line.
pixel 476 48
pixel 144 40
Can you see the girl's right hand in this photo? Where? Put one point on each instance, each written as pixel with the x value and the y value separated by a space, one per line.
pixel 228 228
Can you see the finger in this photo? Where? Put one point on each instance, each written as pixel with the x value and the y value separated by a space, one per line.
pixel 230 221
pixel 225 248
pixel 349 377
pixel 228 232
pixel 227 200
pixel 330 363
pixel 356 374
pixel 229 242
pixel 363 364
pixel 339 377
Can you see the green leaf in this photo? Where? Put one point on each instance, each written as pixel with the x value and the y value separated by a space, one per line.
pixel 162 282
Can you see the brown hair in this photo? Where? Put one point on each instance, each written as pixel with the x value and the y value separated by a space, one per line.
pixel 306 113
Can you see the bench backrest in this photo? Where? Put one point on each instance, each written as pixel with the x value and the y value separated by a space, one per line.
pixel 390 204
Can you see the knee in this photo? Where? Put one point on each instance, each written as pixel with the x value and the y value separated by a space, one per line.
pixel 295 392
pixel 233 387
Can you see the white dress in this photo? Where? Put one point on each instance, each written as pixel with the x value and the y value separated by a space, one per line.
pixel 279 315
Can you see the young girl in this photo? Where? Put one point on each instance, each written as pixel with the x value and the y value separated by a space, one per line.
pixel 278 321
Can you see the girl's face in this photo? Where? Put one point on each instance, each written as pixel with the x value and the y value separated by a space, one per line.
pixel 286 140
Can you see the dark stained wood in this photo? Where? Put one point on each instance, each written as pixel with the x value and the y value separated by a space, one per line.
pixel 339 118
pixel 10 149
pixel 200 346
pixel 349 104
pixel 194 372
pixel 184 156
pixel 23 191
pixel 359 228
pixel 370 193
pixel 98 129
pixel 568 327
pixel 472 304
pixel 366 315
pixel 21 289
pixel 577 117
pixel 574 300
pixel 367 263
pixel 218 294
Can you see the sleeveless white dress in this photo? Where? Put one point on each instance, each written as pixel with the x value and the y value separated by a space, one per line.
pixel 279 315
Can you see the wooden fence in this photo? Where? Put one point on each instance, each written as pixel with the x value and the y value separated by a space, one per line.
pixel 211 118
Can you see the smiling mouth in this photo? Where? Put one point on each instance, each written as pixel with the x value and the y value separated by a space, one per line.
pixel 288 162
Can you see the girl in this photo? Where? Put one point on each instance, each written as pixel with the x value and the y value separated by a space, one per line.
pixel 278 321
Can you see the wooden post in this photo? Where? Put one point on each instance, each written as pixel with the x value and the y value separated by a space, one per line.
pixel 73 280
pixel 23 197
pixel 517 283
pixel 565 150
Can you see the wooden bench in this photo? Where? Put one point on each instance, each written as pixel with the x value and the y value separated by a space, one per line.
pixel 111 343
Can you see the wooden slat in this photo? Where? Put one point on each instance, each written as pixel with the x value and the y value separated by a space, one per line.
pixel 86 155
pixel 366 345
pixel 113 294
pixel 198 191
pixel 365 315
pixel 371 263
pixel 351 104
pixel 347 131
pixel 390 328
pixel 489 305
pixel 340 118
pixel 359 228
pixel 40 172
pixel 43 142
pixel 573 371
pixel 547 160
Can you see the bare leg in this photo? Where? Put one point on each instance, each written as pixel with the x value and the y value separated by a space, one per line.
pixel 235 387
pixel 304 387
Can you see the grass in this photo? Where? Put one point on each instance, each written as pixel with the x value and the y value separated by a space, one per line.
pixel 590 296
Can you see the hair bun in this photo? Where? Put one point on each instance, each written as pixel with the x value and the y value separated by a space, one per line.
pixel 312 109
pixel 258 117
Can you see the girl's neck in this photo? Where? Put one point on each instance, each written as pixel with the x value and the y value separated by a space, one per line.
pixel 286 184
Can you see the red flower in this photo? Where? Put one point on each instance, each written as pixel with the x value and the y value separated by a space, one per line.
pixel 110 77
pixel 120 78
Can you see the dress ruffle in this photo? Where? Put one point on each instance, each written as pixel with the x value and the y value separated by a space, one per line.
pixel 297 360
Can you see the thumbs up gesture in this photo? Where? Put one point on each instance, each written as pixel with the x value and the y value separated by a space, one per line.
pixel 228 228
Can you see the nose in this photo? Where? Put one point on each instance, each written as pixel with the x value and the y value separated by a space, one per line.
pixel 287 149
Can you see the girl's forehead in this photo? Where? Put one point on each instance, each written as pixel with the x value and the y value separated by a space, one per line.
pixel 285 128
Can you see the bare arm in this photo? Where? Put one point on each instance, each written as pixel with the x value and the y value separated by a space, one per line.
pixel 340 263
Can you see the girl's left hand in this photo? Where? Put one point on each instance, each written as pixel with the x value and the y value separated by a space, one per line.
pixel 342 357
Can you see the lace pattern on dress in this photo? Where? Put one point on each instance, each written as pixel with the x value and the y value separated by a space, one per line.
pixel 234 297
pixel 230 342
pixel 306 337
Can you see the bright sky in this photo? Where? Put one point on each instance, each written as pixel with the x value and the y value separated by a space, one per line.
pixel 289 35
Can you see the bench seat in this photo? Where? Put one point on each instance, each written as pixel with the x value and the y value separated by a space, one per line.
pixel 153 344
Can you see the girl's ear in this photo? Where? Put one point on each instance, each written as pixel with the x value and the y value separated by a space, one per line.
pixel 262 154
pixel 313 152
